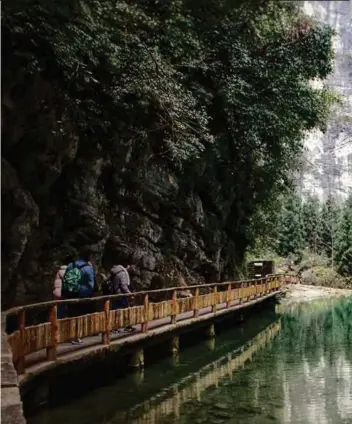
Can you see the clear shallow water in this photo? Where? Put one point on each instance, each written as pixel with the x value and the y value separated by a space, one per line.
pixel 293 368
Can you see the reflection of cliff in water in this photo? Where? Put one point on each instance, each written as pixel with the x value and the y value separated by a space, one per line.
pixel 317 385
pixel 192 387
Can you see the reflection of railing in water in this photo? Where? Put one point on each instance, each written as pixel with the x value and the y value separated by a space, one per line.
pixel 192 386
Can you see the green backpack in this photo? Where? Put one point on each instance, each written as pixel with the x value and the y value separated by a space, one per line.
pixel 71 283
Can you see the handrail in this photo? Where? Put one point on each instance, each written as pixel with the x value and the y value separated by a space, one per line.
pixel 47 335
pixel 42 305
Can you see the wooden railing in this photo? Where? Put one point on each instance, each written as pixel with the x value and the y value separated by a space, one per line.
pixel 26 339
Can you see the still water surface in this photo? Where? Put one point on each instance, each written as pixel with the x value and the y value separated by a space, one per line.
pixel 294 366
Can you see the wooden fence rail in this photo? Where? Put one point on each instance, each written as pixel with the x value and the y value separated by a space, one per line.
pixel 47 335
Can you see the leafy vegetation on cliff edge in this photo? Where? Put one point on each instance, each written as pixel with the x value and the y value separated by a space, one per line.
pixel 217 92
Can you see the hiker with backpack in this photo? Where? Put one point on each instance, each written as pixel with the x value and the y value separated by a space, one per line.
pixel 79 281
pixel 119 283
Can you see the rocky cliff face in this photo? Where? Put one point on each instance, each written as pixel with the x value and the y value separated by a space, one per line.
pixel 328 169
pixel 58 197
pixel 90 131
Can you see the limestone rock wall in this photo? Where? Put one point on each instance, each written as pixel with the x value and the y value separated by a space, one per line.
pixel 328 161
pixel 60 193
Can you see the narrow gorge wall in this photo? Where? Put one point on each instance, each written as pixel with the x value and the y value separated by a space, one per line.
pixel 328 162
pixel 98 175
pixel 60 193
pixel 127 208
pixel 155 163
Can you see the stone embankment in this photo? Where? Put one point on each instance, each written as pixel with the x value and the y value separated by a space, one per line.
pixel 11 404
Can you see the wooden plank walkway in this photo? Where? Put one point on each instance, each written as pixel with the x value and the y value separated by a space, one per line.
pixel 37 362
pixel 39 347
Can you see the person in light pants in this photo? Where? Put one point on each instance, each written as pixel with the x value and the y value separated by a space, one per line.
pixel 121 283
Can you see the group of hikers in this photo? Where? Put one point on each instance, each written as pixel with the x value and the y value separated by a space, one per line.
pixel 79 280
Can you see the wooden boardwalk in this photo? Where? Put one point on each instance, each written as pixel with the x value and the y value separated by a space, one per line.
pixel 40 347
pixel 37 362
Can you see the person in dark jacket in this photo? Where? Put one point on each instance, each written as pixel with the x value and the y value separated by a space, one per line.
pixel 121 284
pixel 87 285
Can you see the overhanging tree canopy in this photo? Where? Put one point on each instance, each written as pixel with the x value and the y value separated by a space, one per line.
pixel 217 91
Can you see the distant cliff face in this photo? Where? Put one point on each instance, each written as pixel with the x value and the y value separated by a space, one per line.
pixel 328 163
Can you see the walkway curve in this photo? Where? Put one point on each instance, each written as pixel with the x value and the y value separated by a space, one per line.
pixel 37 363
pixel 38 348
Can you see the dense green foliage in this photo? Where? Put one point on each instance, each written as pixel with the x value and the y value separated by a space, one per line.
pixel 311 224
pixel 328 226
pixel 344 240
pixel 323 229
pixel 217 92
pixel 289 230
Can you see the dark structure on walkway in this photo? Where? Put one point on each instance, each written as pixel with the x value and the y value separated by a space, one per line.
pixel 260 268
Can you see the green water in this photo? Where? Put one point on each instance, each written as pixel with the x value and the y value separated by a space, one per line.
pixel 291 367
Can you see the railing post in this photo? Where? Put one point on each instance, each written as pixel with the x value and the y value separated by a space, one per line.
pixel 21 362
pixel 106 334
pixel 228 300
pixel 195 304
pixel 146 313
pixel 213 307
pixel 174 307
pixel 240 297
pixel 51 351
